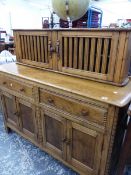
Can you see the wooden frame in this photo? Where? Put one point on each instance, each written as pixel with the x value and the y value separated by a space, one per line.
pixel 100 55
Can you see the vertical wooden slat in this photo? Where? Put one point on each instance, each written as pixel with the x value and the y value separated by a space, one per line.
pixel 86 54
pixel 50 60
pixel 70 51
pixel 54 55
pixel 92 54
pixel 31 48
pixel 114 47
pixel 60 64
pixel 35 48
pixel 46 49
pixel 28 47
pixel 80 52
pixel 75 60
pixel 120 55
pixel 105 55
pixel 65 51
pixel 19 47
pixel 25 44
pixel 38 49
pixel 42 49
pixel 15 44
pixel 22 47
pixel 98 55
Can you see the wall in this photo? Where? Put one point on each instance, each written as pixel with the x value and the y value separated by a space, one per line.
pixel 114 9
pixel 23 14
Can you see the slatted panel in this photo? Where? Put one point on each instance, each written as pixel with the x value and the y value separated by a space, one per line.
pixel 70 52
pixel 34 48
pixel 86 53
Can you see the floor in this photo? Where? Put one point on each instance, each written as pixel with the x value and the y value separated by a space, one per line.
pixel 20 157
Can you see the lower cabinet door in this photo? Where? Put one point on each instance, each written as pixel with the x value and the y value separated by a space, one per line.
pixel 84 147
pixel 54 133
pixel 9 109
pixel 27 118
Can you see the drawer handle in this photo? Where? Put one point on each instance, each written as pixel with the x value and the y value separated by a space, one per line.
pixel 84 113
pixel 4 82
pixel 67 141
pixel 16 113
pixel 11 84
pixel 50 100
pixel 22 90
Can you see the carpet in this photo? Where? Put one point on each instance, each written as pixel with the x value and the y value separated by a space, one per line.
pixel 20 157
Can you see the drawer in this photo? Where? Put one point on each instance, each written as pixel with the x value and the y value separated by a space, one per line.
pixel 20 87
pixel 86 112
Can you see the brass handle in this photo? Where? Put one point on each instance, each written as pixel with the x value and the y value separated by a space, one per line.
pixel 4 82
pixel 84 113
pixel 50 100
pixel 50 48
pixel 68 142
pixel 64 140
pixel 22 90
pixel 57 48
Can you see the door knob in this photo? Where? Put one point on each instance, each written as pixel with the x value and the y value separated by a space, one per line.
pixel 50 100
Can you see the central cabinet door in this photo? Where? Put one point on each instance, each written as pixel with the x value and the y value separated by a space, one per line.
pixel 84 148
pixel 54 133
pixel 27 118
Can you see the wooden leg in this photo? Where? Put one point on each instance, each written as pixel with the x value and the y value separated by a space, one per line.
pixel 125 152
pixel 7 129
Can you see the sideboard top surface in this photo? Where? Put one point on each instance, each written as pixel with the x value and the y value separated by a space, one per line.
pixel 118 96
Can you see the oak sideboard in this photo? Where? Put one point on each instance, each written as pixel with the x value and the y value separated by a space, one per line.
pixel 77 118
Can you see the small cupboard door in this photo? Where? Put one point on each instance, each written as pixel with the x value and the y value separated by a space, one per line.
pixel 27 118
pixel 88 53
pixel 9 109
pixel 54 133
pixel 34 47
pixel 84 148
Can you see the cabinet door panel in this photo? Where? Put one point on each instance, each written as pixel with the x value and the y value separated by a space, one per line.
pixel 54 137
pixel 10 111
pixel 84 148
pixel 27 118
pixel 34 48
pixel 54 133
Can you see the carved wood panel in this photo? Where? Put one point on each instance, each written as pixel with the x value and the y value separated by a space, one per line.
pixel 84 148
pixel 54 133
pixel 10 110
pixel 28 124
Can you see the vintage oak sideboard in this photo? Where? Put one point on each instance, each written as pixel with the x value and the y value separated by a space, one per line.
pixel 79 122
pixel 68 93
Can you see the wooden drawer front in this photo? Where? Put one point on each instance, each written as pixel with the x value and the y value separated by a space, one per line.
pixel 84 111
pixel 16 86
